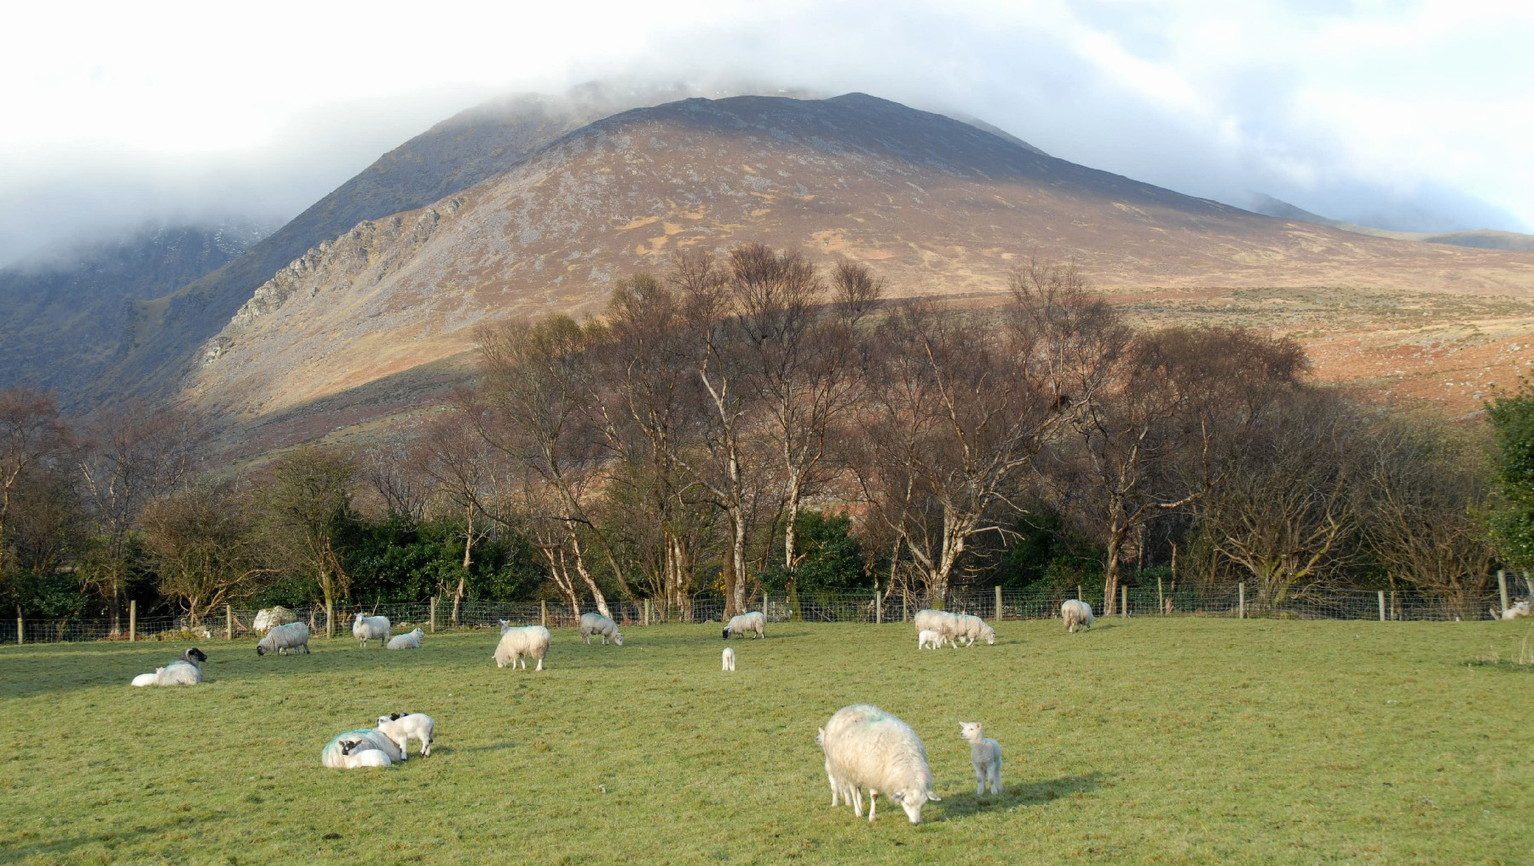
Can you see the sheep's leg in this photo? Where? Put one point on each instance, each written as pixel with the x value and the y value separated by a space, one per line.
pixel 540 663
pixel 980 778
pixel 857 800
pixel 996 778
pixel 873 804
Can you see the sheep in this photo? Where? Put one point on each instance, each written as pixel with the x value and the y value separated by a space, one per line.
pixel 1517 610
pixel 839 791
pixel 366 628
pixel 985 755
pixel 928 638
pixel 271 617
pixel 530 641
pixel 505 626
pixel 746 623
pixel 184 671
pixel 971 628
pixel 595 623
pixel 356 753
pixel 727 659
pixel 400 727
pixel 941 621
pixel 869 748
pixel 1077 614
pixel 293 636
pixel 349 743
pixel 408 640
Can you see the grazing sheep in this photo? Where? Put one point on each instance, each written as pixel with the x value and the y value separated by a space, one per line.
pixel 728 659
pixel 518 644
pixel 1516 610
pixel 970 629
pixel 927 638
pixel 366 628
pixel 746 623
pixel 985 755
pixel 362 739
pixel 408 640
pixel 293 636
pixel 941 621
pixel 869 748
pixel 1077 614
pixel 840 792
pixel 270 617
pixel 185 671
pixel 595 623
pixel 400 727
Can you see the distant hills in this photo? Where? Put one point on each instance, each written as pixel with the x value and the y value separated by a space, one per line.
pixel 1484 239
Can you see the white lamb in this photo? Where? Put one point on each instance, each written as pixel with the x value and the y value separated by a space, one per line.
pixel 408 640
pixel 970 628
pixel 746 623
pixel 293 636
pixel 869 748
pixel 400 727
pixel 356 754
pixel 985 755
pixel 270 617
pixel 366 628
pixel 519 644
pixel 185 671
pixel 727 659
pixel 927 638
pixel 353 743
pixel 1516 610
pixel 1077 614
pixel 595 623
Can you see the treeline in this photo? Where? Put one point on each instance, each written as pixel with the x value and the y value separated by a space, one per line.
pixel 752 421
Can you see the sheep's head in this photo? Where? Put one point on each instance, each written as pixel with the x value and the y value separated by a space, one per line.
pixel 990 637
pixel 912 800
pixel 348 745
pixel 195 655
pixel 260 650
pixel 971 731
pixel 505 625
pixel 726 633
pixel 617 638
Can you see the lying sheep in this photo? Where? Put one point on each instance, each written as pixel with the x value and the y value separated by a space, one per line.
pixel 595 623
pixel 1517 610
pixel 927 638
pixel 185 671
pixel 349 743
pixel 1077 614
pixel 408 640
pixel 293 636
pixel 970 629
pixel 727 659
pixel 356 753
pixel 271 617
pixel 400 727
pixel 366 628
pixel 746 623
pixel 869 748
pixel 518 644
pixel 984 755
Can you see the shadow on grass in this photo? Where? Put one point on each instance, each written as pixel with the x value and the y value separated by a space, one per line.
pixel 11 852
pixel 1502 665
pixel 1014 795
pixel 490 747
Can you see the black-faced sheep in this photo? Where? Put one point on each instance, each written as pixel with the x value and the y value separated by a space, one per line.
pixel 185 671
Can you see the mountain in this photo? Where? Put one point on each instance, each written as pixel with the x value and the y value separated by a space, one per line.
pixel 1484 239
pixel 65 314
pixel 936 205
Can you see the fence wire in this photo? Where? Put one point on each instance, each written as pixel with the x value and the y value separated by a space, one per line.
pixel 237 623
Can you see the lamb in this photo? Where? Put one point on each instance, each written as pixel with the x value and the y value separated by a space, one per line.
pixel 400 727
pixel 1077 614
pixel 293 636
pixel 971 628
pixel 1517 610
pixel 366 628
pixel 530 641
pixel 353 743
pixel 746 623
pixel 941 621
pixel 928 638
pixel 271 617
pixel 869 748
pixel 595 623
pixel 185 671
pixel 985 755
pixel 408 640
pixel 356 753
pixel 728 659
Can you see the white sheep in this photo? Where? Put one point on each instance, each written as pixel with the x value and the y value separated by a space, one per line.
pixel 927 638
pixel 840 792
pixel 348 743
pixel 356 753
pixel 400 727
pixel 1077 614
pixel 518 644
pixel 408 640
pixel 185 671
pixel 293 636
pixel 595 623
pixel 970 628
pixel 727 659
pixel 869 748
pixel 984 755
pixel 366 628
pixel 746 623
pixel 1516 610
pixel 269 618
pixel 941 621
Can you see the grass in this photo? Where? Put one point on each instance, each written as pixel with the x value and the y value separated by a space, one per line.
pixel 1161 741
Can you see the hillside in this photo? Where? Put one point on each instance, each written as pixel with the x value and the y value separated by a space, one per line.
pixel 1485 239
pixel 936 205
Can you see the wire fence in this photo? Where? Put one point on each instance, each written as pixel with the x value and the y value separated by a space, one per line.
pixel 992 603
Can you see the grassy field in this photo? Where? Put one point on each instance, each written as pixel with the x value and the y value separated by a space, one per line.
pixel 1161 741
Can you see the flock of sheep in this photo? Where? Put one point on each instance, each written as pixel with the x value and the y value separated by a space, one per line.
pixel 866 749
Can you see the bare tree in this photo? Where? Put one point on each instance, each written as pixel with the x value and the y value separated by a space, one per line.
pixel 202 547
pixel 461 467
pixel 302 504
pixel 33 441
pixel 391 472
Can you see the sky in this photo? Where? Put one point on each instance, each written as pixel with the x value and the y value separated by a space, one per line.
pixel 1404 115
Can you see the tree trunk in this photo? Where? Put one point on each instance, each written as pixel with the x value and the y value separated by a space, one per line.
pixel 580 568
pixel 1111 571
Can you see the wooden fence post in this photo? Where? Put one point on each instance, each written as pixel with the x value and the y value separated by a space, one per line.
pixel 20 630
pixel 543 613
pixel 998 602
pixel 905 606
pixel 432 616
pixel 1241 598
pixel 228 622
pixel 878 608
pixel 1382 605
pixel 647 611
pixel 1123 602
pixel 132 619
pixel 1502 588
pixel 1078 595
pixel 764 602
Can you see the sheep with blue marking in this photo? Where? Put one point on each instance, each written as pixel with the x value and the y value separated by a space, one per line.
pixel 346 750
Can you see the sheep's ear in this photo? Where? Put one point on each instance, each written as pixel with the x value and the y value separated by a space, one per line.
pixel 396 716
pixel 897 796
